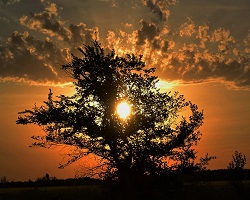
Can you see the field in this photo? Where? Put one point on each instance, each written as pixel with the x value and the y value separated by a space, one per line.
pixel 215 190
pixel 60 192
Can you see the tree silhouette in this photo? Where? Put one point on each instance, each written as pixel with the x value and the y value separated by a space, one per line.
pixel 236 168
pixel 239 161
pixel 152 140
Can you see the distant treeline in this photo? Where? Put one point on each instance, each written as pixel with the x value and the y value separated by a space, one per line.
pixel 216 175
pixel 51 182
pixel 202 176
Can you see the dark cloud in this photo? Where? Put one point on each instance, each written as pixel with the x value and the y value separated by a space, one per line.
pixel 160 8
pixel 81 34
pixel 190 54
pixel 148 31
pixel 23 56
pixel 49 23
pixel 193 66
pixel 207 55
pixel 187 52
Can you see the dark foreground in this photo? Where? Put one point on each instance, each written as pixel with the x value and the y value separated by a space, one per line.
pixel 214 190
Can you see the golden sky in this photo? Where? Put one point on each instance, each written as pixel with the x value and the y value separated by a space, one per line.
pixel 199 48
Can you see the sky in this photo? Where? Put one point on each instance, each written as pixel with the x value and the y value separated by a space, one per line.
pixel 199 48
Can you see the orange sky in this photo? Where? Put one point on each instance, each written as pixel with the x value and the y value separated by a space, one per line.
pixel 202 45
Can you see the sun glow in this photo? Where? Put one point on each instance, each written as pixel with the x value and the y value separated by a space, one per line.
pixel 165 86
pixel 123 110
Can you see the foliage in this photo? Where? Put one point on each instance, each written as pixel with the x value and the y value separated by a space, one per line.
pixel 3 180
pixel 239 161
pixel 236 167
pixel 153 140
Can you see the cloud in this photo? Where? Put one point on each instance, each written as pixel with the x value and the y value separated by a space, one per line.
pixel 160 8
pixel 190 65
pixel 187 53
pixel 148 31
pixel 49 23
pixel 191 54
pixel 23 56
pixel 217 57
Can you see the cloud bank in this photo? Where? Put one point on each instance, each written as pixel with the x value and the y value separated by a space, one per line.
pixel 189 53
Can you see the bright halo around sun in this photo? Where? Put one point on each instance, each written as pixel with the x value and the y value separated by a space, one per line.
pixel 123 110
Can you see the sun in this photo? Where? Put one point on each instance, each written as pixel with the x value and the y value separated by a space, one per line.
pixel 123 110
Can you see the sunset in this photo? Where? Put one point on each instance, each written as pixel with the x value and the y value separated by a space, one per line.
pixel 197 48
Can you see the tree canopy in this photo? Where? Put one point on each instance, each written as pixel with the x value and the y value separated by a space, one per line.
pixel 239 161
pixel 152 140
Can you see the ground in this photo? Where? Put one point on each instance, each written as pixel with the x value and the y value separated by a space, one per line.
pixel 214 190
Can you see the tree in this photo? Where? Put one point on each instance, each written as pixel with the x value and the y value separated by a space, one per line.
pixel 3 180
pixel 236 167
pixel 238 162
pixel 147 142
pixel 46 178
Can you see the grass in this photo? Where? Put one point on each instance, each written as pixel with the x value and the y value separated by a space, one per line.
pixel 41 193
pixel 215 190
